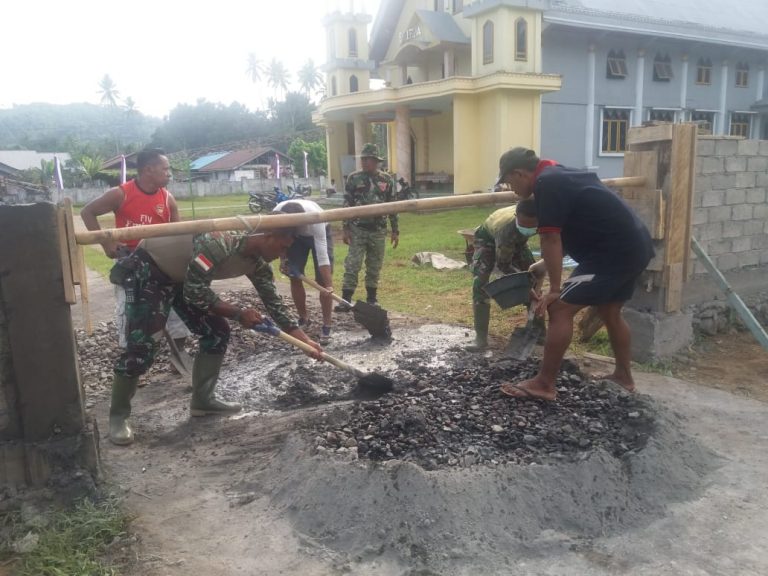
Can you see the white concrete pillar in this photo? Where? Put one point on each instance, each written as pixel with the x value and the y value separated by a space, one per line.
pixel 449 62
pixel 360 125
pixel 589 133
pixel 403 74
pixel 684 86
pixel 757 125
pixel 722 116
pixel 403 142
pixel 637 117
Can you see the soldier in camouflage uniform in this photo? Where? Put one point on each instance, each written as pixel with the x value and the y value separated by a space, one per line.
pixel 366 237
pixel 176 272
pixel 500 242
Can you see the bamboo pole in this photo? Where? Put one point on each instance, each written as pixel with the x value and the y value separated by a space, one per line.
pixel 270 222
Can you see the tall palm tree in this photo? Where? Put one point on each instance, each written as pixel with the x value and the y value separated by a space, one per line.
pixel 310 77
pixel 110 95
pixel 255 68
pixel 130 107
pixel 278 77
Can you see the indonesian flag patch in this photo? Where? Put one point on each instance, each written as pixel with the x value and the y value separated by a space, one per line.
pixel 203 263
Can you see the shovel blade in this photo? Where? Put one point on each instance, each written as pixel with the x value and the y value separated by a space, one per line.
pixel 373 318
pixel 522 342
pixel 372 386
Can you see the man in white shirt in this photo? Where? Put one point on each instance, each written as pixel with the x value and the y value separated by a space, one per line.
pixel 314 238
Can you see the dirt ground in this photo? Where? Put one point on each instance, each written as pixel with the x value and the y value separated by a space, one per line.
pixel 246 495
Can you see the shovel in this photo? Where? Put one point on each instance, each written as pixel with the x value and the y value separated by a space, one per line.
pixel 369 385
pixel 179 358
pixel 523 339
pixel 372 318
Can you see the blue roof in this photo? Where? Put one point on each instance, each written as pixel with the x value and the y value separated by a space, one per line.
pixel 203 161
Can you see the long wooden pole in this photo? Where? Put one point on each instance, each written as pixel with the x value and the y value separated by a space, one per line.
pixel 264 222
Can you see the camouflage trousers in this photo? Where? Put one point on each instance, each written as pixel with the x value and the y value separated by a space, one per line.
pixel 484 260
pixel 150 296
pixel 364 244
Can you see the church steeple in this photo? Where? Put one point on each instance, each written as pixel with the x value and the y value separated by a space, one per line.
pixel 347 67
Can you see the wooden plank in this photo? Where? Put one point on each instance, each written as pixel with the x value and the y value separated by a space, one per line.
pixel 642 163
pixel 66 204
pixel 649 206
pixel 673 297
pixel 589 324
pixel 680 205
pixel 84 295
pixel 66 262
pixel 644 134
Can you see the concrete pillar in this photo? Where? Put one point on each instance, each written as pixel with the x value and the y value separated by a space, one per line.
pixel 403 141
pixel 637 117
pixel 684 86
pixel 760 90
pixel 360 130
pixel 722 115
pixel 589 133
pixel 47 432
pixel 658 334
pixel 449 62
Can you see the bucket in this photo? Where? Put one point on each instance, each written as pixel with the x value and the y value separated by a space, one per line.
pixel 510 290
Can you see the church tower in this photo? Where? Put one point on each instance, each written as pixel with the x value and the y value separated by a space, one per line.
pixel 347 67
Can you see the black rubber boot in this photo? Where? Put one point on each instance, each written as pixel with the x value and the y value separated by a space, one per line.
pixel 371 296
pixel 341 306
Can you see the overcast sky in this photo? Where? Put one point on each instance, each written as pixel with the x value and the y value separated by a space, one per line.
pixel 158 52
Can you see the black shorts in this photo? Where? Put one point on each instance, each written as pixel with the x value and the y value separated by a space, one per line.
pixel 298 254
pixel 587 289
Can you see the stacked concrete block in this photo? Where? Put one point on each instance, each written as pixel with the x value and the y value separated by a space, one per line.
pixel 730 209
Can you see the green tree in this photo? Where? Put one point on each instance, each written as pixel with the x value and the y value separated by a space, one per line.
pixel 130 107
pixel 110 95
pixel 317 156
pixel 294 114
pixel 278 77
pixel 255 68
pixel 91 166
pixel 310 78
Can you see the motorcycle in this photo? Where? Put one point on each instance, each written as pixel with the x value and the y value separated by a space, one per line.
pixel 266 201
pixel 406 192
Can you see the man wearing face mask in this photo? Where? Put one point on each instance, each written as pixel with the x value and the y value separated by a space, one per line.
pixel 500 242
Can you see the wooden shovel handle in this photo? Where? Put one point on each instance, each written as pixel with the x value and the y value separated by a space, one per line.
pixel 322 289
pixel 327 357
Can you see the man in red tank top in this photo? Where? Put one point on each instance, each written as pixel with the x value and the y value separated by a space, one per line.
pixel 143 200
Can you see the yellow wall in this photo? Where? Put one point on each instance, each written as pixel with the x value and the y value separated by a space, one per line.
pixel 486 125
pixel 336 141
pixel 504 19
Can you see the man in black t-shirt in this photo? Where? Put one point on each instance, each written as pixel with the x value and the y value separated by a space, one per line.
pixel 580 217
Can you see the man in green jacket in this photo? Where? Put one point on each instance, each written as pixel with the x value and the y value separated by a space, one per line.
pixel 366 237
pixel 500 242
pixel 176 272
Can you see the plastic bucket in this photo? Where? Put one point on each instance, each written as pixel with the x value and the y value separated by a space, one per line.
pixel 510 290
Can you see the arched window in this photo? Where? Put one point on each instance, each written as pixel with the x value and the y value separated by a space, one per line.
pixel 521 39
pixel 352 36
pixel 488 42
pixel 353 83
pixel 333 86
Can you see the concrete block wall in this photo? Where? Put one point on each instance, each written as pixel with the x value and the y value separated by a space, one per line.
pixel 730 209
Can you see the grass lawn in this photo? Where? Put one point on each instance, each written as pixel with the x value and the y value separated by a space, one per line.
pixel 406 288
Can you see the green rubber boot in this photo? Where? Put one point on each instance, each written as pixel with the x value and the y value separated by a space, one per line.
pixel 123 389
pixel 204 377
pixel 482 314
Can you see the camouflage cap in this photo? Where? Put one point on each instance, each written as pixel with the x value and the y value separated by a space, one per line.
pixel 371 151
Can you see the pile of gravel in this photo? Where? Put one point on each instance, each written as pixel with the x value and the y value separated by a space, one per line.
pixel 455 416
